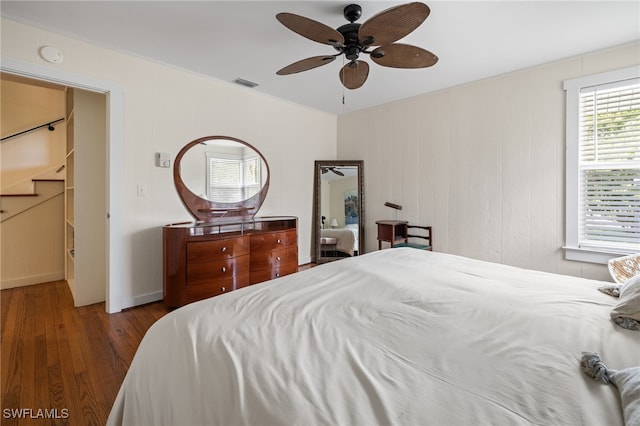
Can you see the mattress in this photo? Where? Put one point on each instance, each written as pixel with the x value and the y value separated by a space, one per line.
pixel 398 336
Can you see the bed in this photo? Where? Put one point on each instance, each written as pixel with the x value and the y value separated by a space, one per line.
pixel 346 238
pixel 398 336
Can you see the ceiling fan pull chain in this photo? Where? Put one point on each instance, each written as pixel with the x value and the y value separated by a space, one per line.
pixel 343 102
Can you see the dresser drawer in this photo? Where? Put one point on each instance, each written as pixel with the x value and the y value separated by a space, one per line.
pixel 276 272
pixel 274 240
pixel 205 290
pixel 203 251
pixel 199 273
pixel 277 263
pixel 274 259
pixel 207 260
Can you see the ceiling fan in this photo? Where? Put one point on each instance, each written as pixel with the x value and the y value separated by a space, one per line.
pixel 332 169
pixel 353 39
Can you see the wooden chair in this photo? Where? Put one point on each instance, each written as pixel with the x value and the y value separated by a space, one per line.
pixel 418 237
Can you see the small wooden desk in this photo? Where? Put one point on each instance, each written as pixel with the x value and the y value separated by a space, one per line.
pixel 391 231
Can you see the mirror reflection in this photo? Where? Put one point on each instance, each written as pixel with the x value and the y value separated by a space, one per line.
pixel 223 171
pixel 220 178
pixel 339 216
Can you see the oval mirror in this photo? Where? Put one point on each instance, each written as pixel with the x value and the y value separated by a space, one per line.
pixel 219 177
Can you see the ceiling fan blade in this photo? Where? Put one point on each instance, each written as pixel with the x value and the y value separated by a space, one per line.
pixel 313 30
pixel 399 55
pixel 338 172
pixel 393 24
pixel 354 74
pixel 306 64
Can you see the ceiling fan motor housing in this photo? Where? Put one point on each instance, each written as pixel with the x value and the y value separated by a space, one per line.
pixel 352 46
pixel 352 12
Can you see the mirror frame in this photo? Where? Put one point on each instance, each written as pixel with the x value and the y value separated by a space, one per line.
pixel 317 215
pixel 207 211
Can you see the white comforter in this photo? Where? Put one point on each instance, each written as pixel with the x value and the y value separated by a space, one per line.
pixel 398 336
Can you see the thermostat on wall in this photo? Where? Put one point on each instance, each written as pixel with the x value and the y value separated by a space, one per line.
pixel 163 159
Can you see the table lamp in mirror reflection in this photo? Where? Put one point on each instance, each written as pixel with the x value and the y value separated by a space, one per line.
pixel 394 206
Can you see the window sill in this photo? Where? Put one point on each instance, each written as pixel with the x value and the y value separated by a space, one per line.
pixel 591 255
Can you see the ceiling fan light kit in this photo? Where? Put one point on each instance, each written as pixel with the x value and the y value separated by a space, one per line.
pixel 354 39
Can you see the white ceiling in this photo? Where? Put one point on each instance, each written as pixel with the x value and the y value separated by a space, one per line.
pixel 231 39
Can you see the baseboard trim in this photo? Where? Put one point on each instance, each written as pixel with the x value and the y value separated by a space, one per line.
pixel 143 299
pixel 34 279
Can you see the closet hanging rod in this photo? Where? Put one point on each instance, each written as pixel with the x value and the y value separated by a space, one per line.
pixel 48 124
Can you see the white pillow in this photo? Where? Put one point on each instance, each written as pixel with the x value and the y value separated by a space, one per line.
pixel 628 383
pixel 626 313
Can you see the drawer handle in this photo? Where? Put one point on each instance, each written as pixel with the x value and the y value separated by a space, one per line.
pixel 278 258
pixel 223 269
pixel 223 249
pixel 278 241
pixel 277 274
pixel 223 289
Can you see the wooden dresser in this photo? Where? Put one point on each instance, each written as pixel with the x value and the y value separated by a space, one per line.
pixel 205 260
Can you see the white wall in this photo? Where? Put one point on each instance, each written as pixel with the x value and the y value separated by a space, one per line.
pixel 31 240
pixel 165 108
pixel 23 107
pixel 32 245
pixel 482 163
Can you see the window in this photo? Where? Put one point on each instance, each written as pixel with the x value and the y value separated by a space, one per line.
pixel 603 165
pixel 231 180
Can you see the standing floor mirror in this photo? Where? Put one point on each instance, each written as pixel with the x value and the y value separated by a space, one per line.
pixel 338 210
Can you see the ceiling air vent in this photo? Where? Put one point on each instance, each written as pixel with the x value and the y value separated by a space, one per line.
pixel 245 83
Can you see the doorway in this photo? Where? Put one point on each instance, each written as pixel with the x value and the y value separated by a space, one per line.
pixel 72 230
pixel 114 99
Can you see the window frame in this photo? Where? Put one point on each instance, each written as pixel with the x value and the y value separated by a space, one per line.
pixel 572 87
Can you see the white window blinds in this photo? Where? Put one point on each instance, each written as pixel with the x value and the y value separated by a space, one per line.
pixel 232 180
pixel 225 180
pixel 609 166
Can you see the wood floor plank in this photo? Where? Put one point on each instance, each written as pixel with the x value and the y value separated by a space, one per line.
pixel 41 361
pixel 69 361
pixel 100 376
pixel 27 376
pixel 5 303
pixel 10 358
pixel 41 373
pixel 56 390
pixel 66 396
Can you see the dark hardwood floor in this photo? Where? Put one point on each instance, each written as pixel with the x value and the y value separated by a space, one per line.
pixel 64 362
